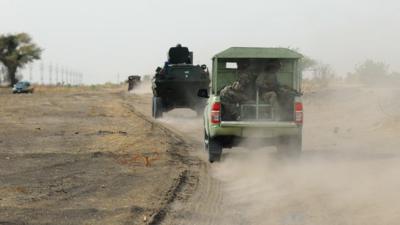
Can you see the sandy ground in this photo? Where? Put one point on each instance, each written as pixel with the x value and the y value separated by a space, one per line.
pixel 346 175
pixel 84 156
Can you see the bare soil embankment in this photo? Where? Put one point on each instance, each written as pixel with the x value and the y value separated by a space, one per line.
pixel 85 156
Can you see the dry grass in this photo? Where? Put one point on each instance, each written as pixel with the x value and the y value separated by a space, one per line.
pixel 75 89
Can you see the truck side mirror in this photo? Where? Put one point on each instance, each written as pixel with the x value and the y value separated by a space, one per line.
pixel 203 93
pixel 158 69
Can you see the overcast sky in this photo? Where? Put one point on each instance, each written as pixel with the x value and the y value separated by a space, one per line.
pixel 103 38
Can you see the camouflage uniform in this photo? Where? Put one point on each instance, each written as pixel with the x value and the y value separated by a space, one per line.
pixel 235 94
pixel 267 83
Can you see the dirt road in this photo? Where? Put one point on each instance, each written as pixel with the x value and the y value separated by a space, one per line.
pixel 347 174
pixel 77 158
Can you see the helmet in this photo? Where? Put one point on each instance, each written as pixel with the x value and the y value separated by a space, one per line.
pixel 244 78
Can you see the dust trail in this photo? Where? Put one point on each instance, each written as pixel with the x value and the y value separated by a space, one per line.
pixel 186 121
pixel 348 173
pixel 143 87
pixel 320 188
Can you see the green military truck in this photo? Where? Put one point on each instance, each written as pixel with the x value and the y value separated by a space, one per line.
pixel 279 124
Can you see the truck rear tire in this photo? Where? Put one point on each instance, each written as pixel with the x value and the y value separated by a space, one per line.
pixel 157 107
pixel 214 148
pixel 205 141
pixel 290 146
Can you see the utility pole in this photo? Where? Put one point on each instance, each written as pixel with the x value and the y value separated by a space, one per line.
pixel 57 81
pixel 66 76
pixel 62 75
pixel 50 73
pixel 41 73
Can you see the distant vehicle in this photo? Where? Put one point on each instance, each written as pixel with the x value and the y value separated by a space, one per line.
pixel 176 85
pixel 133 81
pixel 279 124
pixel 22 87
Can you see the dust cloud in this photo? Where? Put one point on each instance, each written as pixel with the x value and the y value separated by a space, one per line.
pixel 348 173
pixel 143 87
pixel 185 121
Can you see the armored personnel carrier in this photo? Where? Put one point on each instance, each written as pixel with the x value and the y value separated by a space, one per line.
pixel 133 81
pixel 177 83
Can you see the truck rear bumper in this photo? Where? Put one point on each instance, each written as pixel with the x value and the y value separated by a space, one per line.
pixel 252 124
pixel 255 129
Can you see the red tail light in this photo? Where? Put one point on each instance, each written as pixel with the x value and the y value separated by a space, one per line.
pixel 216 113
pixel 298 112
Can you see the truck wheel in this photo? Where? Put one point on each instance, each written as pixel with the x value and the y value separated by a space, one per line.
pixel 205 140
pixel 290 146
pixel 214 148
pixel 157 109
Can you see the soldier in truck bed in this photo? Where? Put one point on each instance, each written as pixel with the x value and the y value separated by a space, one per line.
pixel 267 82
pixel 279 96
pixel 238 92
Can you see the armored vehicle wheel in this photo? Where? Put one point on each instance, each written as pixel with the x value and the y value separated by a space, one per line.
pixel 214 148
pixel 290 146
pixel 157 108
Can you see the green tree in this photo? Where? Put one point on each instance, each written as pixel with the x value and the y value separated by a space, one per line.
pixel 16 50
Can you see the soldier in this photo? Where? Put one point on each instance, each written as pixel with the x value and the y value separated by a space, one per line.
pixel 247 77
pixel 237 93
pixel 267 82
pixel 279 96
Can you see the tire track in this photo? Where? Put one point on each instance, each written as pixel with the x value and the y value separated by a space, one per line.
pixel 199 199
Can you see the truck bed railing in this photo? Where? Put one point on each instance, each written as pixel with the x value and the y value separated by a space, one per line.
pixel 257 110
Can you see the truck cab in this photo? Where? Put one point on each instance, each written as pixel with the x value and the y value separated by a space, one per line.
pixel 278 124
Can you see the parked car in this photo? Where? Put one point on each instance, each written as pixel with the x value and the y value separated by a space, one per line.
pixel 23 87
pixel 280 124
